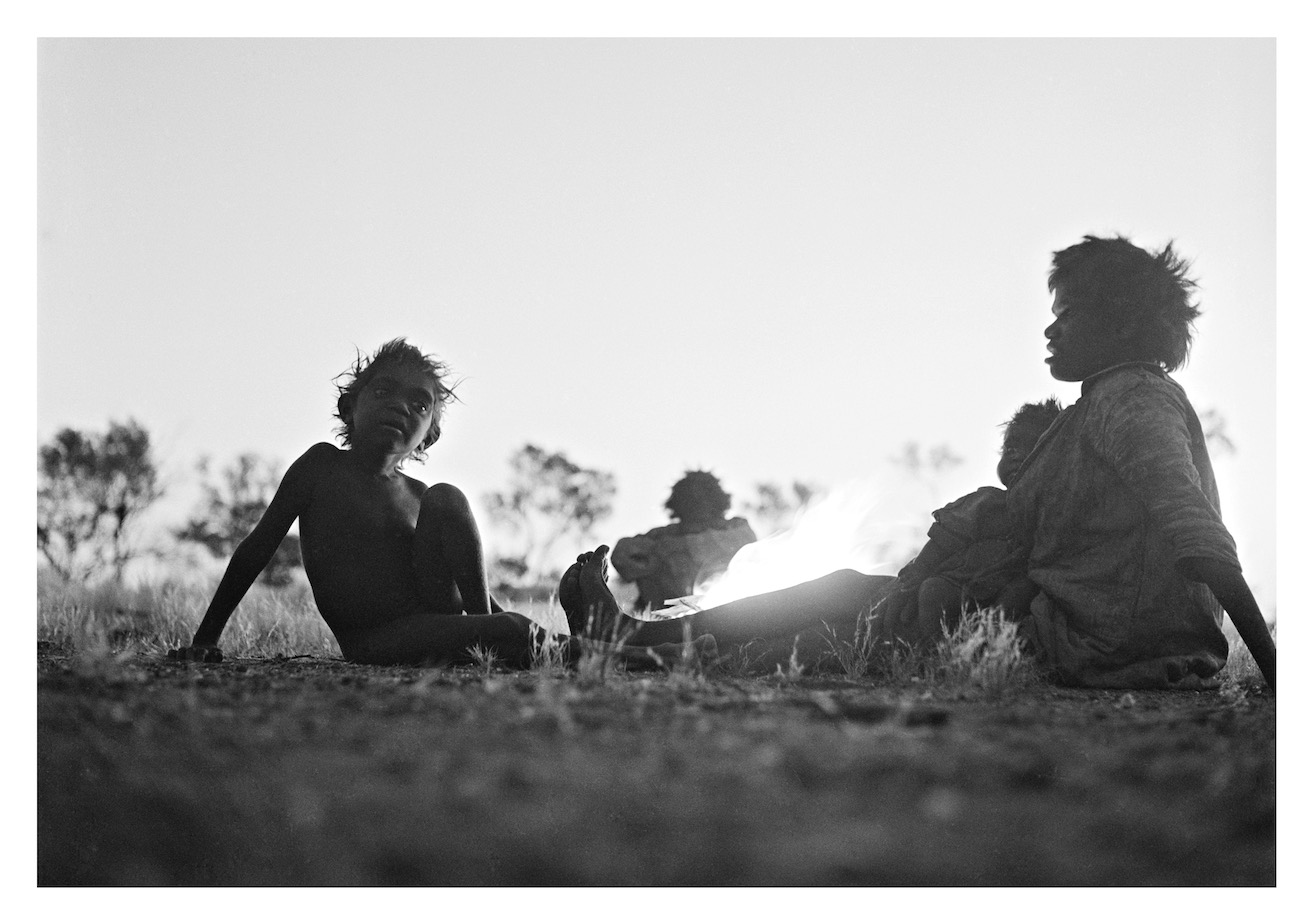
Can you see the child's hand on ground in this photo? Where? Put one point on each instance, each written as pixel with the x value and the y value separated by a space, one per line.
pixel 195 653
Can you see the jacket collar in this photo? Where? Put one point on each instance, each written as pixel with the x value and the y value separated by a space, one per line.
pixel 1089 382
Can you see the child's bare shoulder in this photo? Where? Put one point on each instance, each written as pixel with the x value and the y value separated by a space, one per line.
pixel 318 459
pixel 319 455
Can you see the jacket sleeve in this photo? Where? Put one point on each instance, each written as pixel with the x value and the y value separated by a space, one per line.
pixel 1147 439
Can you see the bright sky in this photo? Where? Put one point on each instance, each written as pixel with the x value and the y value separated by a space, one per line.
pixel 778 259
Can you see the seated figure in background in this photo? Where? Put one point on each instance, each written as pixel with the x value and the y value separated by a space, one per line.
pixel 674 560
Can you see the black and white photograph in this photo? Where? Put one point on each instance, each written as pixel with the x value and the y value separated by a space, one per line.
pixel 711 458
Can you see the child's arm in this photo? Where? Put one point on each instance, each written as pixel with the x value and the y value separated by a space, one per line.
pixel 254 553
pixel 1226 582
pixel 1149 443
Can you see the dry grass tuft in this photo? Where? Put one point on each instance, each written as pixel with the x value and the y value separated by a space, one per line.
pixel 980 655
pixel 601 647
pixel 1241 675
pixel 853 656
pixel 153 618
pixel 983 654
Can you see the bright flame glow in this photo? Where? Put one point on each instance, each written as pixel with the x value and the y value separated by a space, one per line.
pixel 856 526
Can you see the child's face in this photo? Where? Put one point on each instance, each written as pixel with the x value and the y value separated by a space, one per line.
pixel 394 411
pixel 1083 341
pixel 1013 452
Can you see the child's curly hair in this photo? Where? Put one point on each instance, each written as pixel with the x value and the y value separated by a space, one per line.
pixel 1030 421
pixel 395 353
pixel 698 495
pixel 1124 281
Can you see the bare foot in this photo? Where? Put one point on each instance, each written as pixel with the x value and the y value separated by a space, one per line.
pixel 570 595
pixel 591 602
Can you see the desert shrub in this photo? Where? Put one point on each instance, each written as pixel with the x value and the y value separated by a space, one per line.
pixel 550 500
pixel 92 487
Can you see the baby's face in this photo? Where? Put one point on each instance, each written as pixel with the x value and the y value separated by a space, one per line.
pixel 1013 453
pixel 394 411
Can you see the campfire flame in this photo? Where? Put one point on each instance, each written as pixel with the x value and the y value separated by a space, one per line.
pixel 856 526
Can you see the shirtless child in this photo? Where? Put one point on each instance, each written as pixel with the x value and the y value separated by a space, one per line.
pixel 393 564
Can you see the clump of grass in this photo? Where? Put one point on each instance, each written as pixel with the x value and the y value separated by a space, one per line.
pixel 484 659
pixel 899 663
pixel 602 645
pixel 982 652
pixel 550 653
pixel 864 656
pixel 853 656
pixel 550 643
pixel 1240 674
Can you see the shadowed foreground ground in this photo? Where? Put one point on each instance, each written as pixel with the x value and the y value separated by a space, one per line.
pixel 312 771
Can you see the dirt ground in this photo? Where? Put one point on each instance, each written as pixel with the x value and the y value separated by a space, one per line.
pixel 310 771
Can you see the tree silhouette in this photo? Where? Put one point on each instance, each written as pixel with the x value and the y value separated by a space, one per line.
pixel 231 510
pixel 549 498
pixel 934 462
pixel 1213 429
pixel 90 489
pixel 775 506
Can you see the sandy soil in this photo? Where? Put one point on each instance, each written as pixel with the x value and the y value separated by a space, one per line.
pixel 313 771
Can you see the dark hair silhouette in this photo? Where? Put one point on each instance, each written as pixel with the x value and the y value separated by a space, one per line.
pixel 1031 420
pixel 394 353
pixel 1152 291
pixel 698 496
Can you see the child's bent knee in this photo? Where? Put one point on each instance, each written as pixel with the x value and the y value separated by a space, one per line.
pixel 444 499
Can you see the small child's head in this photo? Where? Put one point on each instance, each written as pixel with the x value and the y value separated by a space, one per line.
pixel 1147 293
pixel 697 497
pixel 396 354
pixel 1022 434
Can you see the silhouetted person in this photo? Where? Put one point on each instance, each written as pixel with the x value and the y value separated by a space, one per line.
pixel 675 560
pixel 393 563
